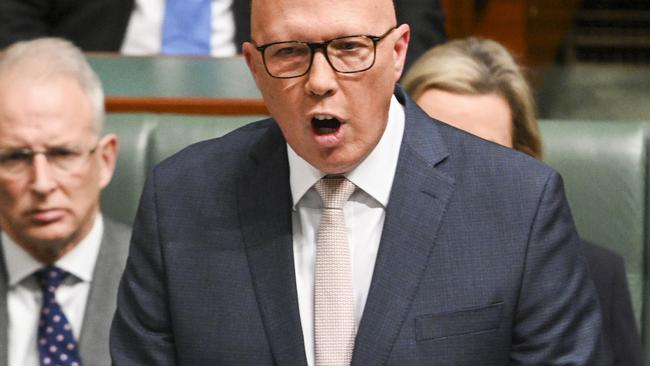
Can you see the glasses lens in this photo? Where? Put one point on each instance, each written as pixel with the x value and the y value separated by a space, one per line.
pixel 63 158
pixel 14 161
pixel 351 54
pixel 287 59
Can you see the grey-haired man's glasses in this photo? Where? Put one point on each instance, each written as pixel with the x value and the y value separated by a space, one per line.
pixel 349 54
pixel 14 163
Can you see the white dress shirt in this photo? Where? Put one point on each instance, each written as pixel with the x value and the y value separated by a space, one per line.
pixel 364 216
pixel 24 293
pixel 144 31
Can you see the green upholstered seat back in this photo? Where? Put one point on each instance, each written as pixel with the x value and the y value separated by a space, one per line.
pixel 605 170
pixel 120 198
pixel 175 132
pixel 146 139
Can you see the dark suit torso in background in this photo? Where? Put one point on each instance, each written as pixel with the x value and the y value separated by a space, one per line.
pixel 100 25
pixel 478 262
pixel 93 342
pixel 92 25
pixel 622 344
pixel 427 21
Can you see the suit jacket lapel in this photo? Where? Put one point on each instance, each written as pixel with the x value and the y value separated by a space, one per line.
pixel 4 315
pixel 265 209
pixel 93 341
pixel 417 203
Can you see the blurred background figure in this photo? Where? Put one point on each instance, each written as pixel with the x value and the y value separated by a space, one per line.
pixel 187 27
pixel 60 259
pixel 175 27
pixel 427 21
pixel 477 86
pixel 97 25
pixel 219 27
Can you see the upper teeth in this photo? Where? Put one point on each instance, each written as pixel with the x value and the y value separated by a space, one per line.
pixel 321 117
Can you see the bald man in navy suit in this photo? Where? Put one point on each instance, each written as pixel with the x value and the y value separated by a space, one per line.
pixel 463 252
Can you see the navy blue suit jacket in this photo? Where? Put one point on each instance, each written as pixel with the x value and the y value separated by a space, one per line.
pixel 478 262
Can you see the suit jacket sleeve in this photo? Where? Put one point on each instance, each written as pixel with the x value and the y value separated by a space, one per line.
pixel 427 22
pixel 141 331
pixel 558 320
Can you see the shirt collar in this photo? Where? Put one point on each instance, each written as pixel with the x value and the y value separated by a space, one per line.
pixel 80 261
pixel 374 175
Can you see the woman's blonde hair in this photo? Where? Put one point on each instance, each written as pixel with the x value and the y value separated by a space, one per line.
pixel 480 66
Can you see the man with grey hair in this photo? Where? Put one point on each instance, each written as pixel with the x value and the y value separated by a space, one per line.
pixel 60 259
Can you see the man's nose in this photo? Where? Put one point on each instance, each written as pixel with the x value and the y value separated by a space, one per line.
pixel 43 180
pixel 321 79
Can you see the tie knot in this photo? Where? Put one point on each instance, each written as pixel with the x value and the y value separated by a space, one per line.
pixel 334 191
pixel 50 277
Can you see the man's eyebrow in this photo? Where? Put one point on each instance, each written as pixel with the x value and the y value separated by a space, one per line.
pixel 22 146
pixel 13 146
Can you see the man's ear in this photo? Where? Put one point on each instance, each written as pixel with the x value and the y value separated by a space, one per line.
pixel 108 148
pixel 249 51
pixel 400 48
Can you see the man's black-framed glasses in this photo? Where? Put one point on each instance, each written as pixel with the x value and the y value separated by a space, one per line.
pixel 14 163
pixel 349 54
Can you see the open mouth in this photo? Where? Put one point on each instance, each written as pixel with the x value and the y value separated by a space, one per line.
pixel 324 125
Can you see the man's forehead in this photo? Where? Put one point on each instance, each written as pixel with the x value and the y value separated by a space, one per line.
pixel 261 9
pixel 61 98
pixel 319 18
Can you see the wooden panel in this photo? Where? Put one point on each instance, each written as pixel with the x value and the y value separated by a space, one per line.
pixel 533 30
pixel 506 21
pixel 548 26
pixel 218 106
pixel 460 17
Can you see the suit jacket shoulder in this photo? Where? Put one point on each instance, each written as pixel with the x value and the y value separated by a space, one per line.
pixel 224 157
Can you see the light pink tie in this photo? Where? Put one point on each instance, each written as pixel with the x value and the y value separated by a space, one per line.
pixel 334 327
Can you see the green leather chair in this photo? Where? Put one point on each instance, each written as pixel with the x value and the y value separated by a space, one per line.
pixel 175 132
pixel 145 140
pixel 120 199
pixel 605 170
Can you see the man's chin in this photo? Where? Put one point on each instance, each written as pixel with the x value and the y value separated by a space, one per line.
pixel 336 163
pixel 53 235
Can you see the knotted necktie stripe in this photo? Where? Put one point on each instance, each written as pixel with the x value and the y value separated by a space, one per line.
pixel 334 326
